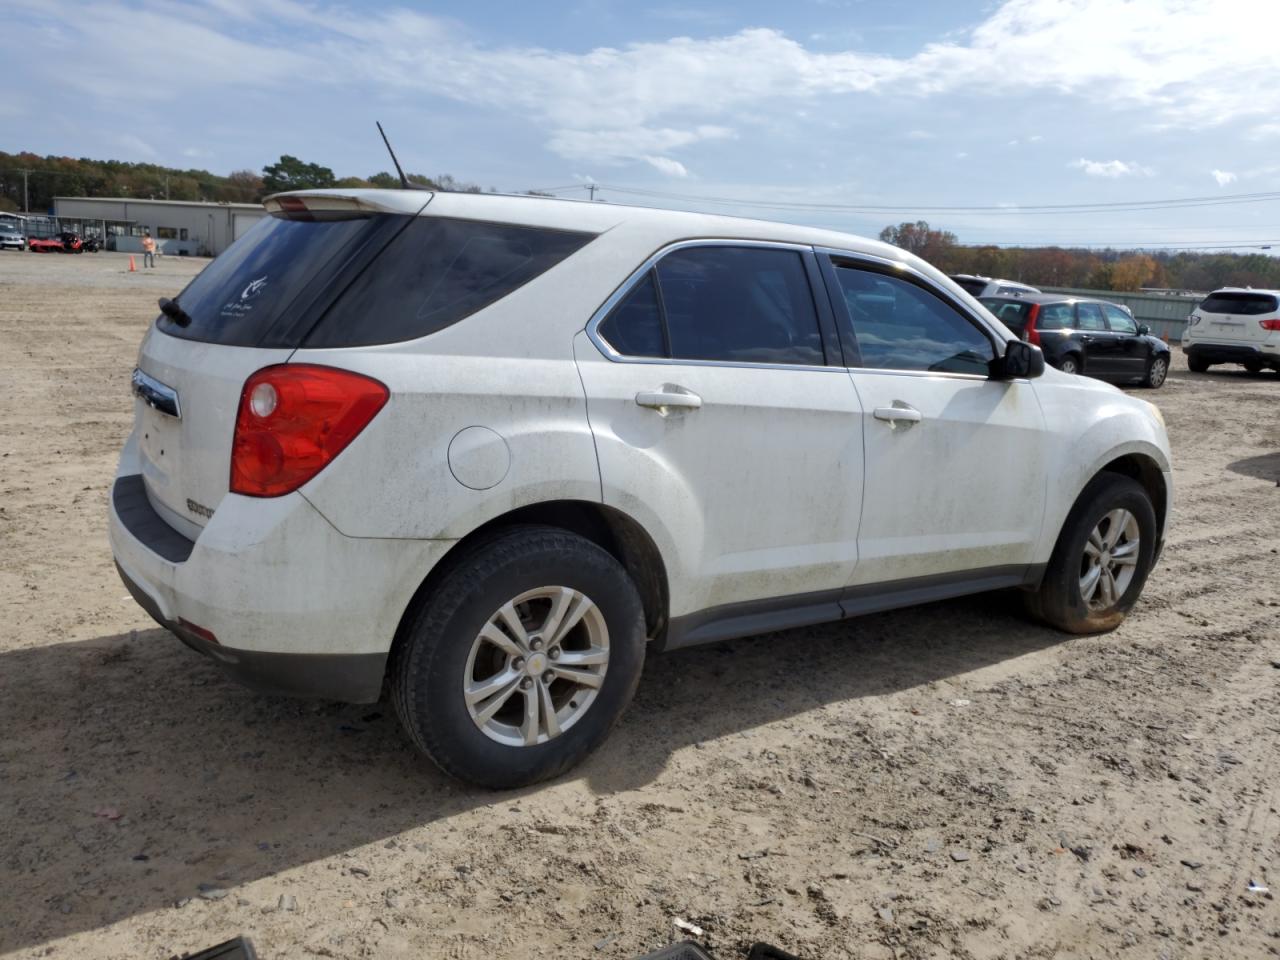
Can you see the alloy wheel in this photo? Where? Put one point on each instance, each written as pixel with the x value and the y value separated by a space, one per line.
pixel 1110 559
pixel 536 666
pixel 1159 370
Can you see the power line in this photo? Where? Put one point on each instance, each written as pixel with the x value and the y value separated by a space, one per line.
pixel 904 207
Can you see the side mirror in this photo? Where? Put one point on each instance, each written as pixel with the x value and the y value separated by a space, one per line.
pixel 1143 330
pixel 1021 359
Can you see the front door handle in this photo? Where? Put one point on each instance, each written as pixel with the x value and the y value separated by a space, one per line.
pixel 898 414
pixel 669 398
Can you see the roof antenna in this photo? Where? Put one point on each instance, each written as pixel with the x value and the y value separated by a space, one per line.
pixel 404 181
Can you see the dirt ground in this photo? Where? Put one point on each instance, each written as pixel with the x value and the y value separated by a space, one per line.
pixel 947 781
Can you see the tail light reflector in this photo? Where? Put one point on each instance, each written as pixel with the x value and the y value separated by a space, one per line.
pixel 1270 324
pixel 1031 334
pixel 293 420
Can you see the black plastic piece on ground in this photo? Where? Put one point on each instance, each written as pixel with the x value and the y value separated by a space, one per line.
pixel 765 951
pixel 241 948
pixel 679 951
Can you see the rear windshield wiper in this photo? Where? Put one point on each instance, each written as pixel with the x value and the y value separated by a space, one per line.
pixel 174 312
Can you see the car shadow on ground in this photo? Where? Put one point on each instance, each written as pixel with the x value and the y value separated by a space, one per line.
pixel 1264 467
pixel 132 771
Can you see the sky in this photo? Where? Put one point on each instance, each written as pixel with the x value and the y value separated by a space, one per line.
pixel 787 111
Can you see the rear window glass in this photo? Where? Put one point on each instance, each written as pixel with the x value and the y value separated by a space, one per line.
pixel 435 273
pixel 1244 304
pixel 242 294
pixel 971 285
pixel 1012 315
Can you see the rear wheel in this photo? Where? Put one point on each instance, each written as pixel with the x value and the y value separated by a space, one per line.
pixel 522 658
pixel 1071 364
pixel 1157 370
pixel 1101 560
pixel 1197 364
pixel 1253 366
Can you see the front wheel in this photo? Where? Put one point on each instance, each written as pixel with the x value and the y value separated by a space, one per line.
pixel 1252 366
pixel 1197 364
pixel 1157 370
pixel 521 659
pixel 1102 558
pixel 1070 364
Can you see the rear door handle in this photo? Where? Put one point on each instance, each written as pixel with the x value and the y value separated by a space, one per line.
pixel 898 414
pixel 669 398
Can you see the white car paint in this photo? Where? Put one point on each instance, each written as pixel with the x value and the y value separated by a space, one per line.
pixel 782 482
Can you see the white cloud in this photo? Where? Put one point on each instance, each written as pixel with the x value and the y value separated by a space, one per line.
pixel 919 135
pixel 1222 176
pixel 1034 139
pixel 1146 54
pixel 1111 168
pixel 672 168
pixel 1264 131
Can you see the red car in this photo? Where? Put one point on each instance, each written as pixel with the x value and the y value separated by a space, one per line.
pixel 63 243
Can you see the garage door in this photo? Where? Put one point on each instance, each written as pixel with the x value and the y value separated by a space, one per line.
pixel 241 222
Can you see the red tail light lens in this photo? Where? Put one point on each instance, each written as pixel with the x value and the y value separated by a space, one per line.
pixel 293 419
pixel 1270 324
pixel 1032 334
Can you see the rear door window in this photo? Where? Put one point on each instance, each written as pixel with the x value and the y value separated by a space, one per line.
pixel 1241 303
pixel 1089 317
pixel 1055 316
pixel 437 272
pixel 720 303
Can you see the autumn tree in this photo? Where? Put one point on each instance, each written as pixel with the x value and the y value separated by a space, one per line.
pixel 918 238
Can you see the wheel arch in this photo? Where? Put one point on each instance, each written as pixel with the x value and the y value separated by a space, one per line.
pixel 1144 468
pixel 612 530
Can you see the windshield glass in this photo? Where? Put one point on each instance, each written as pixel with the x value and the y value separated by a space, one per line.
pixel 1245 304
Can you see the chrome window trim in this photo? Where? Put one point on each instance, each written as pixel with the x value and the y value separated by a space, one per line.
pixel 624 289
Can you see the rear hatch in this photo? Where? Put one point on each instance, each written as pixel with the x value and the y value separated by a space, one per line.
pixel 1235 316
pixel 1012 313
pixel 250 308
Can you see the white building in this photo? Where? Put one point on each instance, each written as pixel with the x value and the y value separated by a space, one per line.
pixel 181 227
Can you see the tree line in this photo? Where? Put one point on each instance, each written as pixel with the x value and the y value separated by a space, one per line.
pixel 49 177
pixel 1091 269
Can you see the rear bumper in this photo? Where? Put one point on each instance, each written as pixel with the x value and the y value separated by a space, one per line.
pixel 1231 353
pixel 354 678
pixel 295 606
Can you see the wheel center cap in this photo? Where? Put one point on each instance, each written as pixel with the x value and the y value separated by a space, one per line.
pixel 536 665
pixel 1104 559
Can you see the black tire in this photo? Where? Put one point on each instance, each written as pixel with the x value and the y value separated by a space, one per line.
pixel 1059 601
pixel 1253 366
pixel 1157 371
pixel 430 664
pixel 1197 364
pixel 1072 363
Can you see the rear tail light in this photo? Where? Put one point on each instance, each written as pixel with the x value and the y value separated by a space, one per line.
pixel 1030 333
pixel 1193 319
pixel 293 419
pixel 1270 324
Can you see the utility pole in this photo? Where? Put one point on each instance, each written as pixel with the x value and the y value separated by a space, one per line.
pixel 166 186
pixel 592 188
pixel 26 207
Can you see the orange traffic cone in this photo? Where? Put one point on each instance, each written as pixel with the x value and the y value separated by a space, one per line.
pixel 133 267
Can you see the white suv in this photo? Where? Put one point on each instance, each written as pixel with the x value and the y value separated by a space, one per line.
pixel 487 450
pixel 1232 325
pixel 977 286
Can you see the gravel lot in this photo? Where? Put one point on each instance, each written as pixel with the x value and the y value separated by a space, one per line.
pixel 948 781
